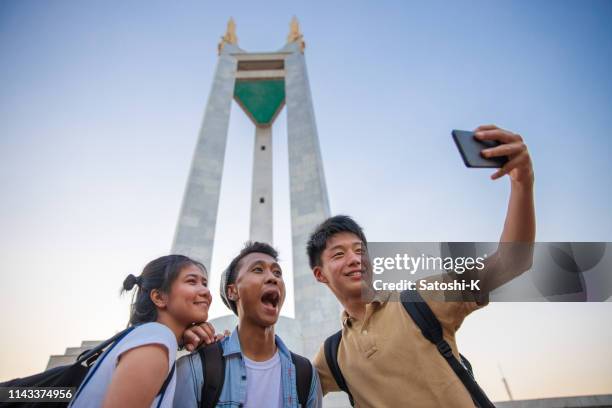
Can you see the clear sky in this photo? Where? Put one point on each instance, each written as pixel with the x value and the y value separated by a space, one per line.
pixel 101 103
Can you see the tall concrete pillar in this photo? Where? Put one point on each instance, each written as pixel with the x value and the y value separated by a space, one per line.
pixel 261 192
pixel 316 308
pixel 195 229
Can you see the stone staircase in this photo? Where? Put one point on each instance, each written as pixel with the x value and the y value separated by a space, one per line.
pixel 71 354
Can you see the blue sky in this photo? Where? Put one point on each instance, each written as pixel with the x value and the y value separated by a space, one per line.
pixel 101 103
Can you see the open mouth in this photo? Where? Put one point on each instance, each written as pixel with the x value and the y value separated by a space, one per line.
pixel 271 298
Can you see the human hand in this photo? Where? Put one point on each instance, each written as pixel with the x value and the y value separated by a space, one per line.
pixel 512 146
pixel 199 334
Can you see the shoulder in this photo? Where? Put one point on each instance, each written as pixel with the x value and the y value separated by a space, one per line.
pixel 315 393
pixel 145 356
pixel 193 363
pixel 301 363
pixel 330 342
pixel 282 347
pixel 153 329
pixel 449 313
pixel 324 375
pixel 319 359
pixel 150 334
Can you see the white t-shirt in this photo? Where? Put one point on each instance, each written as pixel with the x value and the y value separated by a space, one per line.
pixel 263 383
pixel 93 393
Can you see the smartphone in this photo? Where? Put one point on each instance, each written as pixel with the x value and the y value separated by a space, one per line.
pixel 470 148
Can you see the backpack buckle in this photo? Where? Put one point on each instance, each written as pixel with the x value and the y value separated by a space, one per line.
pixel 444 348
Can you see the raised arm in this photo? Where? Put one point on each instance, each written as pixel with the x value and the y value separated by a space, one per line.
pixel 520 224
pixel 515 251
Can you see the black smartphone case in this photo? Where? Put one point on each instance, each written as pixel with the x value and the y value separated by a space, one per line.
pixel 470 149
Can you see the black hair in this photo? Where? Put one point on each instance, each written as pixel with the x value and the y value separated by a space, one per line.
pixel 231 272
pixel 158 274
pixel 330 227
pixel 249 248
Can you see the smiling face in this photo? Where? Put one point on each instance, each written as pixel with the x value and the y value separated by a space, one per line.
pixel 341 265
pixel 189 298
pixel 259 289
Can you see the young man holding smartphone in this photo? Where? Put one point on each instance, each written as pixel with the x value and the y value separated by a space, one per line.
pixel 383 356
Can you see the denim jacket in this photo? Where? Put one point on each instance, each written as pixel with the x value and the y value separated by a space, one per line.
pixel 190 378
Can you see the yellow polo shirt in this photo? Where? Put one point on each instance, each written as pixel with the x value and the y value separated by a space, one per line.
pixel 387 362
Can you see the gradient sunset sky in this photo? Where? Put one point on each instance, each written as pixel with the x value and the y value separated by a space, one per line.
pixel 101 103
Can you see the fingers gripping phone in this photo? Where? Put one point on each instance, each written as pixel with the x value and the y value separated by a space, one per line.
pixel 470 148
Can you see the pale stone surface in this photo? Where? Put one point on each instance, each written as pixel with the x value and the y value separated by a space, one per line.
pixel 315 307
pixel 262 187
pixel 71 354
pixel 195 231
pixel 268 74
pixel 260 56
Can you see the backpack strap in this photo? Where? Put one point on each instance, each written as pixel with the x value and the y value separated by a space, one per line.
pixel 466 363
pixel 162 391
pixel 303 377
pixel 431 328
pixel 330 348
pixel 88 357
pixel 213 369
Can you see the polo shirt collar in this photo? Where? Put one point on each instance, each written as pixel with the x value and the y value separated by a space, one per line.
pixel 380 299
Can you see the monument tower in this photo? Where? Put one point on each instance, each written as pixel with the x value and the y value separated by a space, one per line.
pixel 262 84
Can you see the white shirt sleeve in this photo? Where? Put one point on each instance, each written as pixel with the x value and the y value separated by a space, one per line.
pixel 149 333
pixel 93 393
